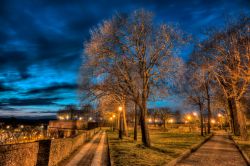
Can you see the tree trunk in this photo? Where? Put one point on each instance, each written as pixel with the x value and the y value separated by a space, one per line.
pixel 241 120
pixel 120 125
pixel 136 124
pixel 233 112
pixel 201 120
pixel 144 125
pixel 164 123
pixel 124 120
pixel 209 111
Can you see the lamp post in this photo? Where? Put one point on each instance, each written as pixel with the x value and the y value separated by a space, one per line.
pixel 114 123
pixel 111 126
pixel 120 125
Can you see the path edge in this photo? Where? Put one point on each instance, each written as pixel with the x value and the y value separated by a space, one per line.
pixel 110 160
pixel 242 152
pixel 189 151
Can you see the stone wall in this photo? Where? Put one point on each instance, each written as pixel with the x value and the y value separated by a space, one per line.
pixel 62 148
pixel 24 154
pixel 47 152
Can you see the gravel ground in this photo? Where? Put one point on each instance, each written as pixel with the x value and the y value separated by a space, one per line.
pixel 218 151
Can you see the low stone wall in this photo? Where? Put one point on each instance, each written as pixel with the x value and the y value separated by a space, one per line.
pixel 48 152
pixel 62 148
pixel 24 154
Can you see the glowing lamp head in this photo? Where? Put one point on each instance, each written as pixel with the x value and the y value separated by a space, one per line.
pixel 113 116
pixel 195 113
pixel 219 115
pixel 120 108
pixel 213 121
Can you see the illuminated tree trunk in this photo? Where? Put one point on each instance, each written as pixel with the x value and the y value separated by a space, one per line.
pixel 120 125
pixel 201 118
pixel 144 125
pixel 209 110
pixel 233 116
pixel 124 119
pixel 136 124
pixel 242 121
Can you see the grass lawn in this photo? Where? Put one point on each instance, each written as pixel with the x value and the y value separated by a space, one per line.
pixel 245 145
pixel 166 146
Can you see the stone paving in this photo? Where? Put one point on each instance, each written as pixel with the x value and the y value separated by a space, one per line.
pixel 218 151
pixel 91 154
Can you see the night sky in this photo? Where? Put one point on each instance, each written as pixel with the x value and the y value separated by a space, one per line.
pixel 41 44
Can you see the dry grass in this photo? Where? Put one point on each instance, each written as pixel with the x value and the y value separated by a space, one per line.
pixel 166 146
pixel 244 145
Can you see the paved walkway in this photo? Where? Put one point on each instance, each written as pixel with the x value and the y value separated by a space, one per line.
pixel 94 153
pixel 218 151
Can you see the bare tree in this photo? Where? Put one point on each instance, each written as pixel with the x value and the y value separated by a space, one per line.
pixel 132 55
pixel 231 60
pixel 194 90
pixel 165 115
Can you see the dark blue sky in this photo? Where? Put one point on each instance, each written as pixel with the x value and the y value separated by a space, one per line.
pixel 41 42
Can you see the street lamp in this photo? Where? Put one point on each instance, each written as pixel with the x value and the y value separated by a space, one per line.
pixel 171 120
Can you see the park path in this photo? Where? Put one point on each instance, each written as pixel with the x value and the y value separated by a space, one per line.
pixel 218 151
pixel 93 153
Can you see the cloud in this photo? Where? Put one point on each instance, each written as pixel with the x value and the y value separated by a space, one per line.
pixel 29 102
pixel 4 88
pixel 52 88
pixel 41 42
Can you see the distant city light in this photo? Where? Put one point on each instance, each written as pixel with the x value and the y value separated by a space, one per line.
pixel 80 118
pixel 150 120
pixel 219 115
pixel 213 121
pixel 195 113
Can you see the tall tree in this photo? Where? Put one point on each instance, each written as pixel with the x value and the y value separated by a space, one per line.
pixel 133 55
pixel 231 66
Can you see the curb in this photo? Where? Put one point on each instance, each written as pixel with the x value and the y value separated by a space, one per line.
pixel 188 152
pixel 242 152
pixel 110 161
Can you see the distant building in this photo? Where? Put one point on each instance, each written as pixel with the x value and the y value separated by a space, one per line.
pixel 70 120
